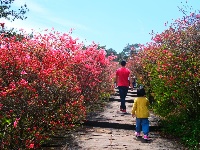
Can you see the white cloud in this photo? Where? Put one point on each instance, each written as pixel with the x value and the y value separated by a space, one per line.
pixel 23 24
pixel 40 18
pixel 63 23
pixel 66 23
pixel 44 15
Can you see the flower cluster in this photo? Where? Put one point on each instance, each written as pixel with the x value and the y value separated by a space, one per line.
pixel 45 83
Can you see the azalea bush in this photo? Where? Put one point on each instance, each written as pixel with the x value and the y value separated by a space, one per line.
pixel 94 74
pixel 169 69
pixel 45 83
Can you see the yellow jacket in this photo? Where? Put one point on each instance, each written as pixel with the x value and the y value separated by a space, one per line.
pixel 140 107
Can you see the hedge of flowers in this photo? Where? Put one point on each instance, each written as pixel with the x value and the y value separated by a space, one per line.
pixel 46 84
pixel 169 69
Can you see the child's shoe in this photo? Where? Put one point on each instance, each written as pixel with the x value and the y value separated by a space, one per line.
pixel 146 137
pixel 124 110
pixel 137 134
pixel 121 108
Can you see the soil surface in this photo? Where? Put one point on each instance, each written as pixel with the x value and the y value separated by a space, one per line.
pixel 112 130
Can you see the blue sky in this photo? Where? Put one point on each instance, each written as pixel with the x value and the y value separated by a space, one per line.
pixel 113 23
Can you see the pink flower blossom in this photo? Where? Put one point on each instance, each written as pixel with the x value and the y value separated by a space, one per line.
pixel 198 16
pixel 23 82
pixel 31 145
pixel 23 72
pixel 165 51
pixel 3 94
pixel 12 85
pixel 16 122
pixel 157 38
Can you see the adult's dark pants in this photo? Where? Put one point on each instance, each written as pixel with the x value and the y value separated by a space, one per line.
pixel 123 90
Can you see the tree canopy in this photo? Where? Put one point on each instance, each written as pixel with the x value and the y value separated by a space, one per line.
pixel 8 13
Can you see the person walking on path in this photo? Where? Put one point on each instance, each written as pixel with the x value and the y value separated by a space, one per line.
pixel 123 80
pixel 141 111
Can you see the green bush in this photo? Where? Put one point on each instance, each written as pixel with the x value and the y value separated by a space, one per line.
pixel 183 127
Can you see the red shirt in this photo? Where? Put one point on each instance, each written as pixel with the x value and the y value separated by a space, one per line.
pixel 122 76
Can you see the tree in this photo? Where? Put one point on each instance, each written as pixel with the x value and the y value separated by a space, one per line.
pixel 110 51
pixel 10 14
pixel 128 51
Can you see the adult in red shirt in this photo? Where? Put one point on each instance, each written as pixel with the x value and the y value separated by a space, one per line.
pixel 123 80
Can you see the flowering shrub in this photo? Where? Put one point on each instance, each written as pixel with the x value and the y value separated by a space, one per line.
pixel 169 68
pixel 44 84
pixel 93 73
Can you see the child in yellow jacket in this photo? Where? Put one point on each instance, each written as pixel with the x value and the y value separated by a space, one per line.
pixel 140 110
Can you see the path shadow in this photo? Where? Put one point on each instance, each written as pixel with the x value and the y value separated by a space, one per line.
pixel 113 125
pixel 128 94
pixel 142 140
pixel 58 142
pixel 118 100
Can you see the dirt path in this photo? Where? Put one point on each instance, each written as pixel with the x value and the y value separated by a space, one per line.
pixel 112 130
